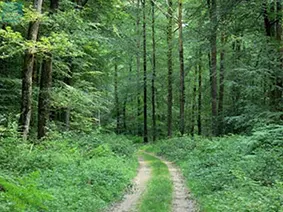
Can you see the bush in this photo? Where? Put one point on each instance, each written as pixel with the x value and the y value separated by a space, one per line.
pixel 70 172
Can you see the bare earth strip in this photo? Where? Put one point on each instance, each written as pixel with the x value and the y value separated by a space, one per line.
pixel 182 202
pixel 131 200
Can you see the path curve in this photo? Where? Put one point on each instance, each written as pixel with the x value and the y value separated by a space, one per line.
pixel 131 200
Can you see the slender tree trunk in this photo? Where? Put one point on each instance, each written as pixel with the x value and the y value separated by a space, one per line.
pixel 54 4
pixel 44 97
pixel 153 94
pixel 194 102
pixel 199 95
pixel 116 98
pixel 213 68
pixel 145 133
pixel 26 102
pixel 45 86
pixel 139 112
pixel 279 76
pixel 182 70
pixel 125 115
pixel 69 81
pixel 170 68
pixel 221 86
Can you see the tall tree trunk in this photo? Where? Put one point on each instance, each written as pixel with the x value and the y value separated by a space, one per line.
pixel 194 102
pixel 278 88
pixel 68 80
pixel 145 133
pixel 170 68
pixel 45 86
pixel 199 94
pixel 182 70
pixel 116 98
pixel 221 86
pixel 153 94
pixel 26 102
pixel 125 116
pixel 213 68
pixel 139 112
pixel 44 97
pixel 54 4
pixel 273 28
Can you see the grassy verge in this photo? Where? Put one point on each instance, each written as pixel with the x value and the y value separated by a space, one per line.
pixel 233 173
pixel 158 197
pixel 67 173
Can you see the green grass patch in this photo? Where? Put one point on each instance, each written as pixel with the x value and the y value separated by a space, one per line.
pixel 158 197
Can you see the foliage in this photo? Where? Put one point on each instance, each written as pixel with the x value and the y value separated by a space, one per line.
pixel 233 173
pixel 70 172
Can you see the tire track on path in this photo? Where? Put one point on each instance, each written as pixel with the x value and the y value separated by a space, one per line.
pixel 131 199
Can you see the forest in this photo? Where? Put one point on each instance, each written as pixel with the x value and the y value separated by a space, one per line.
pixel 141 105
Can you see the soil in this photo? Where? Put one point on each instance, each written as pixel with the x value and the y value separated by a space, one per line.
pixel 131 200
pixel 182 200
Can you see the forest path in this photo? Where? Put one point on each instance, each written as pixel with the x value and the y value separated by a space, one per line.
pixel 182 201
pixel 131 199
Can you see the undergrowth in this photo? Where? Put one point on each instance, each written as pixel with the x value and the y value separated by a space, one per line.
pixel 66 173
pixel 232 173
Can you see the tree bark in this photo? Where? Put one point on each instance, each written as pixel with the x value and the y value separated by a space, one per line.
pixel 116 98
pixel 44 97
pixel 153 94
pixel 170 68
pixel 199 95
pixel 54 4
pixel 45 86
pixel 182 70
pixel 194 103
pixel 26 101
pixel 213 68
pixel 145 133
pixel 278 88
pixel 221 86
pixel 139 112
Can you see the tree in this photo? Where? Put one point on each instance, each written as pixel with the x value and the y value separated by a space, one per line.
pixel 45 86
pixel 213 68
pixel 182 69
pixel 153 94
pixel 145 133
pixel 199 94
pixel 26 102
pixel 138 55
pixel 221 85
pixel 170 67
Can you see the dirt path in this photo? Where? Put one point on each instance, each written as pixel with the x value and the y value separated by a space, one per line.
pixel 182 202
pixel 130 201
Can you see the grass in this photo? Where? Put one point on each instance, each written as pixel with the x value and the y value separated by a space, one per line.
pixel 232 173
pixel 158 197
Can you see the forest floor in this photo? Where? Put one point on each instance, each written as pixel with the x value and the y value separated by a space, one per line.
pixel 181 197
